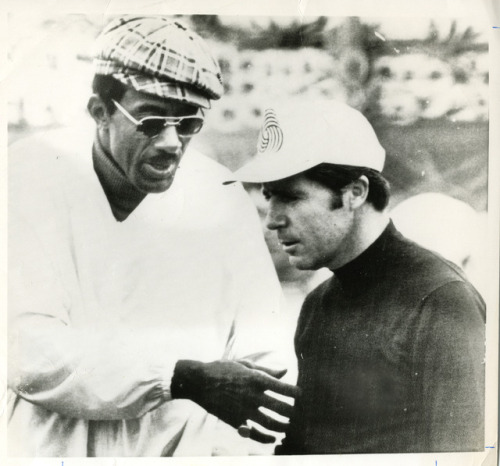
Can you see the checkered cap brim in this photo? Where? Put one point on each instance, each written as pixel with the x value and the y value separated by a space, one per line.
pixel 160 56
pixel 166 89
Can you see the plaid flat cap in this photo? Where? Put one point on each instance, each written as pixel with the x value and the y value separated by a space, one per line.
pixel 159 56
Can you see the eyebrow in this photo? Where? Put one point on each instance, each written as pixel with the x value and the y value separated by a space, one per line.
pixel 282 190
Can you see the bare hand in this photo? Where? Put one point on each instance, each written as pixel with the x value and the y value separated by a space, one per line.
pixel 233 391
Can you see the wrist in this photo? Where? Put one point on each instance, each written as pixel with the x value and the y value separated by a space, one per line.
pixel 187 380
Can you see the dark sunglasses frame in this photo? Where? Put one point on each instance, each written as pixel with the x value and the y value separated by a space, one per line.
pixel 153 126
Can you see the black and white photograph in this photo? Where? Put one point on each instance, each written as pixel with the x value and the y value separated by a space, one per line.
pixel 237 231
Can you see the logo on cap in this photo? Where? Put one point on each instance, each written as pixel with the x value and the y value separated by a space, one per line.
pixel 271 135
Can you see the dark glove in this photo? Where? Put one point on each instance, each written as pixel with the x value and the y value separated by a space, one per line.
pixel 233 391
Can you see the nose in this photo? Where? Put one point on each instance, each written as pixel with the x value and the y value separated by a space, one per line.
pixel 168 140
pixel 275 219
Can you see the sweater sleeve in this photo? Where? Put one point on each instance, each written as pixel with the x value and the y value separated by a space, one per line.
pixel 258 331
pixel 87 373
pixel 449 356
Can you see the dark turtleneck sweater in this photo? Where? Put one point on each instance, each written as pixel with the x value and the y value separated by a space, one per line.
pixel 390 353
pixel 123 196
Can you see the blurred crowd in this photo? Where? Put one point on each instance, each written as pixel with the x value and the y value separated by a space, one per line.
pixel 405 87
pixel 353 63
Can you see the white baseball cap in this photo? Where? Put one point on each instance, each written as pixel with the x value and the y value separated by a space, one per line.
pixel 302 134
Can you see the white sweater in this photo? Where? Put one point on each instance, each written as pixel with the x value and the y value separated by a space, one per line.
pixel 100 310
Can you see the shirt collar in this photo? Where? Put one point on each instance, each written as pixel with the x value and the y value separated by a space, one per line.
pixel 370 263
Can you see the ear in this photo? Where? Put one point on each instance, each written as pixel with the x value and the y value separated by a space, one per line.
pixel 357 192
pixel 98 111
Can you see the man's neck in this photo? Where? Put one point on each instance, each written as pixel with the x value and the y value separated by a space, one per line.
pixel 368 226
pixel 123 196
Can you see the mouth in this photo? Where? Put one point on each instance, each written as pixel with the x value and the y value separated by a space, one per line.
pixel 288 245
pixel 161 166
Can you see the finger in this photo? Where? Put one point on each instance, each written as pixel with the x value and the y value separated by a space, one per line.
pixel 268 422
pixel 277 373
pixel 251 432
pixel 280 407
pixel 244 431
pixel 245 363
pixel 261 437
pixel 282 388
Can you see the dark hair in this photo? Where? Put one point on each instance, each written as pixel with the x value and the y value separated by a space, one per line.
pixel 108 89
pixel 336 177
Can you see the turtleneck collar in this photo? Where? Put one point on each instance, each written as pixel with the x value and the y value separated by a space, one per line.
pixel 123 196
pixel 366 267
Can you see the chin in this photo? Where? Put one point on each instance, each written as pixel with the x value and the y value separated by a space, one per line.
pixel 301 264
pixel 156 188
pixel 160 189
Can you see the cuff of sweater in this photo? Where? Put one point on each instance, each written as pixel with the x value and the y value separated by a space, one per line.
pixel 162 389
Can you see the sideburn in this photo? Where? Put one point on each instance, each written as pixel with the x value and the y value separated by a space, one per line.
pixel 337 201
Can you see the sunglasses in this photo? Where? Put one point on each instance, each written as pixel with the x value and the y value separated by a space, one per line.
pixel 152 126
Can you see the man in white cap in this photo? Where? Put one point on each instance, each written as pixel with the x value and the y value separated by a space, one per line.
pixel 141 292
pixel 390 349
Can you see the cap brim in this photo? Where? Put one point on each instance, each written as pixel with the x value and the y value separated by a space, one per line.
pixel 165 89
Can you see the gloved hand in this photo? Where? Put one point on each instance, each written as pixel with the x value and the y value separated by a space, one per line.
pixel 233 391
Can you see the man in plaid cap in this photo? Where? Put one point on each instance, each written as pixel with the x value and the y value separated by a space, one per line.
pixel 390 348
pixel 142 295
